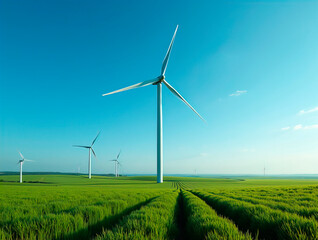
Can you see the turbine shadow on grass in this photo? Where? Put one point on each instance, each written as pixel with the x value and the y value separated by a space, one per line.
pixel 107 223
pixel 9 181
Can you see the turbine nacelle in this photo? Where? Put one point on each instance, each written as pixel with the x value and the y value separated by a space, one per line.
pixel 24 159
pixel 21 161
pixel 161 78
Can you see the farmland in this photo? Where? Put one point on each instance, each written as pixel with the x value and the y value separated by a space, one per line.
pixel 74 207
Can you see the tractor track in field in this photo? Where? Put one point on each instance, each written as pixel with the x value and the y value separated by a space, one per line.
pixel 107 223
pixel 181 218
pixel 180 215
pixel 180 185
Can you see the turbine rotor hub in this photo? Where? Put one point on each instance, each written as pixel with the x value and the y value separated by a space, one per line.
pixel 160 79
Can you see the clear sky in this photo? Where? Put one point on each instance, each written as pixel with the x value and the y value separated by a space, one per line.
pixel 248 67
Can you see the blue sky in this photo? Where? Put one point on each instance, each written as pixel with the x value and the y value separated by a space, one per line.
pixel 248 67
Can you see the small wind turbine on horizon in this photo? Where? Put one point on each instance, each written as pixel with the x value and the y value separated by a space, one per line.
pixel 116 163
pixel 21 161
pixel 158 81
pixel 90 149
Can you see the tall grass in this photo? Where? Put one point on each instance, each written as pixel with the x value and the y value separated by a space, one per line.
pixel 155 220
pixel 73 207
pixel 301 196
pixel 63 217
pixel 309 212
pixel 204 223
pixel 271 224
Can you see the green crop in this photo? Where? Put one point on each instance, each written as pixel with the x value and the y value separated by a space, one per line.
pixel 204 223
pixel 155 220
pixel 269 223
pixel 75 207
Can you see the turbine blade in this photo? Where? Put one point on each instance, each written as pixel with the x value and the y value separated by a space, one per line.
pixel 81 146
pixel 95 138
pixel 138 85
pixel 118 154
pixel 21 155
pixel 28 160
pixel 179 96
pixel 93 152
pixel 166 59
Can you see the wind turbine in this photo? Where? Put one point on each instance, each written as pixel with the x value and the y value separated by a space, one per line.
pixel 21 163
pixel 116 164
pixel 90 149
pixel 158 81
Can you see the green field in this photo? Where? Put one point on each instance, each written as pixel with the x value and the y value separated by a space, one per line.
pixel 75 207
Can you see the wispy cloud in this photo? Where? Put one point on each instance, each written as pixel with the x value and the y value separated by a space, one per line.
pixel 298 127
pixel 308 111
pixel 315 126
pixel 301 127
pixel 237 93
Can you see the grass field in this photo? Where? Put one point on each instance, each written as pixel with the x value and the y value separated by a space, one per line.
pixel 74 207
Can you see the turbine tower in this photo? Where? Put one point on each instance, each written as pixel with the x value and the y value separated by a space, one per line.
pixel 158 81
pixel 116 164
pixel 21 163
pixel 90 149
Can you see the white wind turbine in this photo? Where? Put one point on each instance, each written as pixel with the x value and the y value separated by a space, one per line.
pixel 90 149
pixel 158 81
pixel 116 164
pixel 21 163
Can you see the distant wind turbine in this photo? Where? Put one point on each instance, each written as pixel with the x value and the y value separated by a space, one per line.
pixel 90 148
pixel 158 81
pixel 21 163
pixel 116 164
